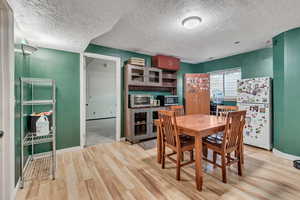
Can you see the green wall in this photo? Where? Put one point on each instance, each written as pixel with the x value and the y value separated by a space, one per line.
pixel 257 63
pixel 286 91
pixel 63 67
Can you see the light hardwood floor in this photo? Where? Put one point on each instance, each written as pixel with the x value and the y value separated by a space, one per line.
pixel 123 171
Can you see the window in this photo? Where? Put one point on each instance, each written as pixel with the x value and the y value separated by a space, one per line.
pixel 225 81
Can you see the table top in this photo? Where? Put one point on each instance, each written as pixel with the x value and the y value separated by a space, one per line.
pixel 200 124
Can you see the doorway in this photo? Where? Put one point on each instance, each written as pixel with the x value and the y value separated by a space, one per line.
pixel 102 99
pixel 6 102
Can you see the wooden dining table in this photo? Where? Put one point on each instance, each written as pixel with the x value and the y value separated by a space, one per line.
pixel 198 126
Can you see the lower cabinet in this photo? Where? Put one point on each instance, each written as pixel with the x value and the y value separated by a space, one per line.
pixel 141 124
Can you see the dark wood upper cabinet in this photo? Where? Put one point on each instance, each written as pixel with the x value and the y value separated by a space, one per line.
pixel 166 62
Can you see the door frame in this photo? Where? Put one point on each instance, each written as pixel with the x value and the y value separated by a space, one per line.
pixel 83 88
pixel 7 99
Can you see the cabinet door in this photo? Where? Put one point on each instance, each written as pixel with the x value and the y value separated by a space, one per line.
pixel 136 75
pixel 140 124
pixel 154 116
pixel 154 77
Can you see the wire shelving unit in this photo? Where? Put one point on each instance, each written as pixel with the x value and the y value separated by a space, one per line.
pixel 38 165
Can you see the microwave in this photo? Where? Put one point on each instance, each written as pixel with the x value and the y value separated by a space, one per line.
pixel 140 100
pixel 168 100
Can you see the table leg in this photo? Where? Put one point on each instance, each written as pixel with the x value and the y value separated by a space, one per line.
pixel 242 150
pixel 159 145
pixel 198 162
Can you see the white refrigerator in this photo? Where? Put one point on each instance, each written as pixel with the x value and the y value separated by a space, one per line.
pixel 255 96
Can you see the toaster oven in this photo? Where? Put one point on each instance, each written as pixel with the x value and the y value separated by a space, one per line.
pixel 140 100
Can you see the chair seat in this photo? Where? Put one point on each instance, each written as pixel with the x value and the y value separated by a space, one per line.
pixel 213 140
pixel 186 140
pixel 217 136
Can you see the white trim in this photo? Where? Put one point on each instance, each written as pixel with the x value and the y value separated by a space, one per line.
pixel 117 60
pixel 82 101
pixel 15 190
pixel 8 101
pixel 70 149
pixel 285 155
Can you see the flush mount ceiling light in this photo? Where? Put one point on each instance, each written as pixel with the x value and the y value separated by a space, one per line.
pixel 191 22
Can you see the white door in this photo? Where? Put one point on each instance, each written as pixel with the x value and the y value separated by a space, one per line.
pixel 101 95
pixel 6 101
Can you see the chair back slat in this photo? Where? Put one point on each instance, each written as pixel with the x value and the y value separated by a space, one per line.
pixel 169 127
pixel 233 133
pixel 179 110
pixel 222 111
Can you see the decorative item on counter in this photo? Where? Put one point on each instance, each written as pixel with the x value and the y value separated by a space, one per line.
pixel 136 61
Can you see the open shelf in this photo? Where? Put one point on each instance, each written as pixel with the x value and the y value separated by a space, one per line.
pixel 38 102
pixel 31 138
pixel 39 167
pixel 37 81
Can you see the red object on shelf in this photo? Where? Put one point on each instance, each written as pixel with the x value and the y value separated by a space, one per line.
pixel 166 62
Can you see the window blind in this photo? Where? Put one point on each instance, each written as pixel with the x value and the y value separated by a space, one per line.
pixel 225 81
pixel 216 82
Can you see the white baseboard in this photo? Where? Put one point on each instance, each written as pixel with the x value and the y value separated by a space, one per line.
pixel 70 149
pixel 285 155
pixel 122 139
pixel 14 192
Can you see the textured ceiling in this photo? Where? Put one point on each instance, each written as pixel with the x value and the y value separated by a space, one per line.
pixel 154 26
pixel 66 24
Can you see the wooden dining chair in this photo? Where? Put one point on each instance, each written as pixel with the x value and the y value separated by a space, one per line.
pixel 174 141
pixel 178 109
pixel 222 112
pixel 235 122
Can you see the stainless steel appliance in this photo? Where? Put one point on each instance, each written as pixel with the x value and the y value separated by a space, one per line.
pixel 140 100
pixel 168 100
